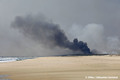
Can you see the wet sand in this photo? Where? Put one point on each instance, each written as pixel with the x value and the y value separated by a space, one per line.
pixel 63 68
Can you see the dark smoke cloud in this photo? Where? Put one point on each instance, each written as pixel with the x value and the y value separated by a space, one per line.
pixel 44 31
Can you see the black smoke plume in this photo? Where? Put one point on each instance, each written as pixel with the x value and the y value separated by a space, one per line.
pixel 47 33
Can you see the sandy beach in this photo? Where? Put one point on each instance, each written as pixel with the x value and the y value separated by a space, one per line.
pixel 63 68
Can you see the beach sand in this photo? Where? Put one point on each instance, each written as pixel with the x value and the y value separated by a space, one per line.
pixel 63 68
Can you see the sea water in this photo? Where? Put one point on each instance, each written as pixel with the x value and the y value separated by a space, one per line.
pixel 3 76
pixel 11 59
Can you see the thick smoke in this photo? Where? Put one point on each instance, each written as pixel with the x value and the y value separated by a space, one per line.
pixel 47 33
pixel 94 35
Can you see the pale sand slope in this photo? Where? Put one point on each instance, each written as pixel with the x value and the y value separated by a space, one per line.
pixel 62 68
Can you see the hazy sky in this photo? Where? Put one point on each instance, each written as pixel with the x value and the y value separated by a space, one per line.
pixel 66 13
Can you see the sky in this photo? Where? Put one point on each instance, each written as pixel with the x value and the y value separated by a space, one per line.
pixel 93 21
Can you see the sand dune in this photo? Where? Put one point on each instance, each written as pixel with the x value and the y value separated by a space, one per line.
pixel 63 68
